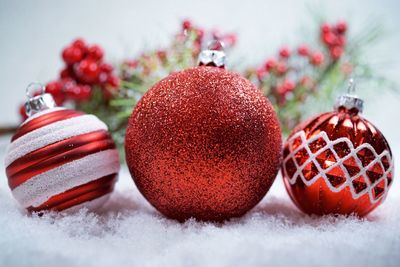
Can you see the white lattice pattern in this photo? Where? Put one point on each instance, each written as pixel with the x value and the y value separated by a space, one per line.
pixel 322 173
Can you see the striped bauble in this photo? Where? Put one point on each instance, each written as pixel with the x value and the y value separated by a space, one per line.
pixel 62 159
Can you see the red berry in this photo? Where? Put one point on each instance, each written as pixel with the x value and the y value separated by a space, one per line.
pixel 105 67
pixel 79 42
pixel 288 86
pixel 281 90
pixel 22 112
pixel 336 52
pixel 102 77
pixel 78 92
pixel 54 88
pixel 67 84
pixel 260 73
pixel 329 38
pixel 303 50
pixel 284 52
pixel 71 92
pixel 113 81
pixel 68 72
pixel 270 64
pixel 325 28
pixel 111 86
pixel 85 93
pixel 341 27
pixel 186 24
pixel 317 58
pixel 95 52
pixel 88 71
pixel 72 55
pixel 162 55
pixel 341 40
pixel 281 68
pixel 59 99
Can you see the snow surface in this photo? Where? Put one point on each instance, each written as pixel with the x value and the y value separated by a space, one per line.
pixel 128 232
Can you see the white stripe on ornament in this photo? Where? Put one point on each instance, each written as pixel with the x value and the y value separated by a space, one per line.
pixel 52 133
pixel 41 187
pixel 34 116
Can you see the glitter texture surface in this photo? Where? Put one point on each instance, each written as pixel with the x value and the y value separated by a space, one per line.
pixel 337 163
pixel 203 143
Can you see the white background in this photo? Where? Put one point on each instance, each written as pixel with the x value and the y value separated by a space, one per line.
pixel 32 34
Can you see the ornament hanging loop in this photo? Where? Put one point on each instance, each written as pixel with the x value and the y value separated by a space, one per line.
pixel 350 101
pixel 214 55
pixel 32 88
pixel 351 88
pixel 37 103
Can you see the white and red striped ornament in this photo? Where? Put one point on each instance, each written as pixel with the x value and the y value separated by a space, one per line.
pixel 60 158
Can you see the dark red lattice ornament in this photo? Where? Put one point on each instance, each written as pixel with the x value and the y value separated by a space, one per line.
pixel 338 162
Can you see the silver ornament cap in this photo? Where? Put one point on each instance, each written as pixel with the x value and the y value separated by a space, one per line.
pixel 350 101
pixel 35 104
pixel 214 55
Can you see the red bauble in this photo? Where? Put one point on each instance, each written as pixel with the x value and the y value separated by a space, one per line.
pixel 60 159
pixel 337 163
pixel 203 143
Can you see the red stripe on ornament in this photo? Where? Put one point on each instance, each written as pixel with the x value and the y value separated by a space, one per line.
pixel 79 194
pixel 57 154
pixel 45 120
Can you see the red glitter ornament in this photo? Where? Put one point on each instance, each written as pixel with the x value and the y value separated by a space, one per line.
pixel 203 143
pixel 338 162
pixel 60 158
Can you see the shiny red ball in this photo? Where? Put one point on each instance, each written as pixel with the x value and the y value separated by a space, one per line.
pixel 203 143
pixel 337 163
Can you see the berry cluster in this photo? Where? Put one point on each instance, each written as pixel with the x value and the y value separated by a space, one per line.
pixel 183 53
pixel 228 39
pixel 333 37
pixel 293 75
pixel 279 72
pixel 303 64
pixel 84 70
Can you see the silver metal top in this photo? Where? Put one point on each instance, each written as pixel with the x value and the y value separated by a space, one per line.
pixel 37 103
pixel 214 55
pixel 350 100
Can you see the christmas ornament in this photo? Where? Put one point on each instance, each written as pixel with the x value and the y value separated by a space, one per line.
pixel 338 162
pixel 203 142
pixel 60 158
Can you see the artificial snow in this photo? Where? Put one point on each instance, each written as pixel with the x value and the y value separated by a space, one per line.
pixel 127 231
